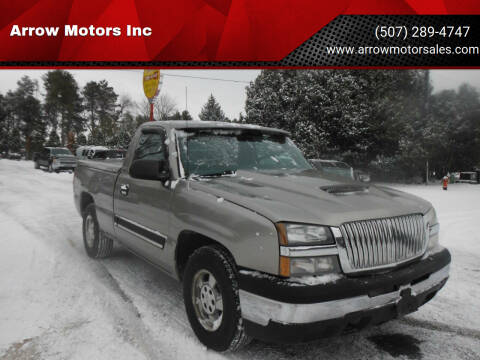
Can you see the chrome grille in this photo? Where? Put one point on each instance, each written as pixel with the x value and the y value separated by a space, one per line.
pixel 378 243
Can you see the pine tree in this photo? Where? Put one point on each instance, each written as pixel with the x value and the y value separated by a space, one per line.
pixel 212 111
pixel 100 104
pixel 186 115
pixel 29 115
pixel 63 105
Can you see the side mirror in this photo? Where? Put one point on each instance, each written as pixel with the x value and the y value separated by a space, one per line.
pixel 150 169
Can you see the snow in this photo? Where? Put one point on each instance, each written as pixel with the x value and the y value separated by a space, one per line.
pixel 317 280
pixel 56 303
pixel 298 281
pixel 220 200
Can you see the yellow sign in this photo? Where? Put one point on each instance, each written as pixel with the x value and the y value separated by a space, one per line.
pixel 151 79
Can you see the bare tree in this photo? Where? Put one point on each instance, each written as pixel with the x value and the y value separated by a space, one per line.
pixel 164 107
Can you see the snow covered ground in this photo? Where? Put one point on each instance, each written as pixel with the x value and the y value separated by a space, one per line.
pixel 56 303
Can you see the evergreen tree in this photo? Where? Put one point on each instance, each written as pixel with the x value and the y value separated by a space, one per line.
pixel 186 115
pixel 63 105
pixel 211 111
pixel 358 116
pixel 100 104
pixel 53 139
pixel 175 116
pixel 29 115
pixel 3 121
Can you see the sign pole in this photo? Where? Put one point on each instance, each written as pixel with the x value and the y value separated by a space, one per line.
pixel 151 110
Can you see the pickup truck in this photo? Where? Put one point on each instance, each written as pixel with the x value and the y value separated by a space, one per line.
pixel 54 159
pixel 265 245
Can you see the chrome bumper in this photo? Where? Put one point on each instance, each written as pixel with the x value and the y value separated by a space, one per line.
pixel 262 310
pixel 60 165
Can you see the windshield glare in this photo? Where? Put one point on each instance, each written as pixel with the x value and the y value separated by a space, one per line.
pixel 216 152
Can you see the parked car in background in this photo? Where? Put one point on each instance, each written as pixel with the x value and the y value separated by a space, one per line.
pixel 471 177
pixel 334 167
pixel 99 152
pixel 88 151
pixel 55 159
pixel 264 245
pixel 108 154
pixel 14 156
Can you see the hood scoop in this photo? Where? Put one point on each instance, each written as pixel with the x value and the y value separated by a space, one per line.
pixel 345 189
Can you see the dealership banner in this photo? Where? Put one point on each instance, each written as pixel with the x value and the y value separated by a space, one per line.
pixel 240 33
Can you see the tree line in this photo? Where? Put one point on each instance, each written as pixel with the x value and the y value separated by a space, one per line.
pixel 60 113
pixel 387 121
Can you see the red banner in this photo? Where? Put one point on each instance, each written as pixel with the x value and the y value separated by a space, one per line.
pixel 183 30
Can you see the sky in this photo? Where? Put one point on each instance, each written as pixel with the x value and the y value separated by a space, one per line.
pixel 199 84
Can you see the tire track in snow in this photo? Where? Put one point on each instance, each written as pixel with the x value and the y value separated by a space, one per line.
pixel 439 326
pixel 131 326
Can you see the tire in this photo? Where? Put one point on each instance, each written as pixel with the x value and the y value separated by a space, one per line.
pixel 97 245
pixel 36 165
pixel 227 332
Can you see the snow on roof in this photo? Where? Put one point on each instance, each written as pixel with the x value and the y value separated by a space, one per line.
pixel 193 124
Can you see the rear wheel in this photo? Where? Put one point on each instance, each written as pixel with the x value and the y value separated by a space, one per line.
pixel 210 291
pixel 97 245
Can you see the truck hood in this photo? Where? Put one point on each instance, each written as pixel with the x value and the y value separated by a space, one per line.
pixel 310 197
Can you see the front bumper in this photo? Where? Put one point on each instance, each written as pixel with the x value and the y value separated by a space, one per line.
pixel 62 166
pixel 275 310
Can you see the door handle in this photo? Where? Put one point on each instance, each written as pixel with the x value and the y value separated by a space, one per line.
pixel 124 189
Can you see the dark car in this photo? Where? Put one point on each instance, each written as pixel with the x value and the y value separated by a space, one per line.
pixel 55 159
pixel 14 156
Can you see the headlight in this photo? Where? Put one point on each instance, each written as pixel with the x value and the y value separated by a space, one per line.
pixel 301 234
pixel 433 229
pixel 307 250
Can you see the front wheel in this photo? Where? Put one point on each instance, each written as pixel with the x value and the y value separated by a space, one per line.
pixel 97 245
pixel 210 291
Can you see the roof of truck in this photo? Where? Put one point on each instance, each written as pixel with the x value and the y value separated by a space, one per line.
pixel 195 124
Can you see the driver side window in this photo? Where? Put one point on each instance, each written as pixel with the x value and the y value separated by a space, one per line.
pixel 151 146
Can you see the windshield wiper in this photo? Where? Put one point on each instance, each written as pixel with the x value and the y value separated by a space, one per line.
pixel 216 174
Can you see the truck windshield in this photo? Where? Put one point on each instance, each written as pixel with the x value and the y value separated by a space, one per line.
pixel 207 152
pixel 61 152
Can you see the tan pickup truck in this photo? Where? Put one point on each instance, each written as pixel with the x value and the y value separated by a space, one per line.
pixel 266 246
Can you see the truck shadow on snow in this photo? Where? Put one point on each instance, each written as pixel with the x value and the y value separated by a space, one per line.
pixel 398 345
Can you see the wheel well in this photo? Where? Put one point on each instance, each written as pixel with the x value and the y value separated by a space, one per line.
pixel 85 200
pixel 187 243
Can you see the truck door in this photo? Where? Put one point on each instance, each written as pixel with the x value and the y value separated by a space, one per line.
pixel 142 207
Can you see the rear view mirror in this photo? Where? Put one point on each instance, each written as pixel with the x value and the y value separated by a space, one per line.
pixel 150 169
